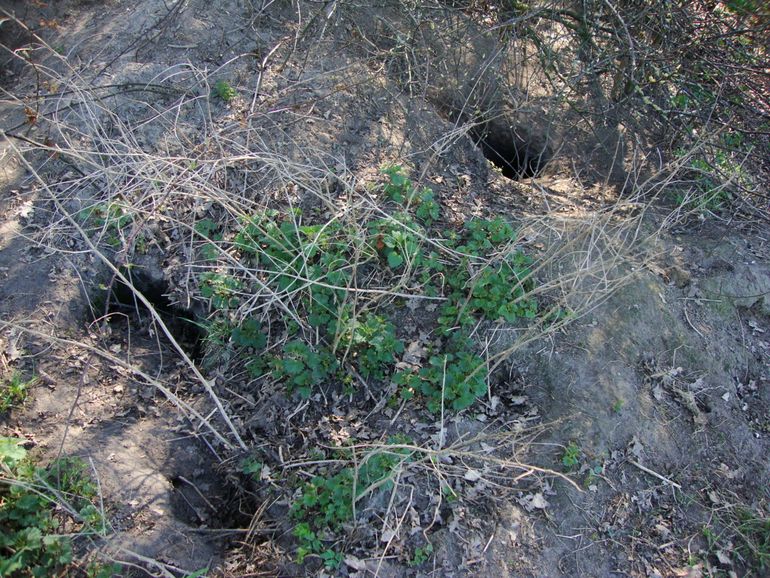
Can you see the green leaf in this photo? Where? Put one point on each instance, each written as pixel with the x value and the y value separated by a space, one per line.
pixel 394 260
pixel 11 565
pixel 249 335
pixel 293 366
pixel 11 451
pixel 251 467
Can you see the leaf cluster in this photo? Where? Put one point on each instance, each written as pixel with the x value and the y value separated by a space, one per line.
pixel 14 390
pixel 33 542
pixel 312 267
pixel 326 503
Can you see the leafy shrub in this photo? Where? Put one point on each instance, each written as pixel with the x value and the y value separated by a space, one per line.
pixel 498 289
pixel 307 258
pixel 401 190
pixel 33 542
pixel 456 378
pixel 14 390
pixel 302 367
pixel 249 334
pixel 311 266
pixel 221 288
pixel 210 230
pixel 327 503
pixel 395 242
pixel 480 236
pixel 372 341
pixel 224 91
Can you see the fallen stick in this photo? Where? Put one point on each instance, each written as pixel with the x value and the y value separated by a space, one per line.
pixel 656 474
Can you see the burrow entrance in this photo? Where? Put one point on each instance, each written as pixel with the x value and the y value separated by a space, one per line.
pixel 118 298
pixel 517 151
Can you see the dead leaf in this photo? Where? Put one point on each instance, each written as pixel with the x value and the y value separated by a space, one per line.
pixel 688 400
pixel 728 472
pixel 472 475
pixel 533 501
pixel 31 115
pixel 695 571
pixel 414 353
pixel 724 558
pixel 355 563
pixel 26 210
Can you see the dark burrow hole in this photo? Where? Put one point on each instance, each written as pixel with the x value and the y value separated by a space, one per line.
pixel 181 323
pixel 210 500
pixel 518 152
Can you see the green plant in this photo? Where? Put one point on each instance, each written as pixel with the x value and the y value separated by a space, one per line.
pixel 399 187
pixel 251 466
pixel 449 494
pixel 753 537
pixel 716 173
pixel 224 91
pixel 408 383
pixel 14 390
pixel 402 191
pixel 453 379
pixel 41 509
pixel 594 472
pixel 744 7
pixel 221 288
pixel 99 570
pixel 479 236
pixel 215 343
pixel 501 291
pixel 372 341
pixel 302 367
pixel 421 555
pixel 495 288
pixel 209 230
pixel 107 215
pixel 249 336
pixel 310 259
pixel 571 456
pixel 326 503
pixel 428 210
pixel 109 219
pixel 311 267
pixel 396 242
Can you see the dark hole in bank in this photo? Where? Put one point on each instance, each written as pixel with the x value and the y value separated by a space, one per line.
pixel 517 152
pixel 119 298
